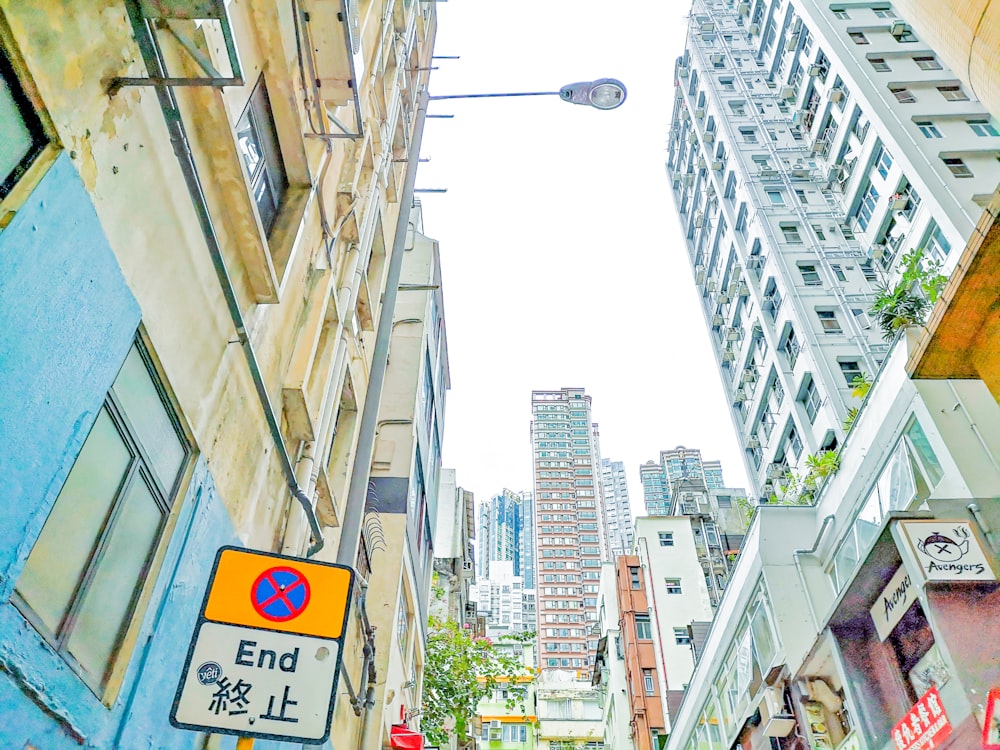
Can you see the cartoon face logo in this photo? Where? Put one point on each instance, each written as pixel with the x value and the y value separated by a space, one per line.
pixel 943 548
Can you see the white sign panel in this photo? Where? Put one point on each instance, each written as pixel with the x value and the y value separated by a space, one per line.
pixel 245 680
pixel 948 550
pixel 897 597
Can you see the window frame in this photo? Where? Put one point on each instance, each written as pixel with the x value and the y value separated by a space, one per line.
pixel 19 85
pixel 259 115
pixel 168 499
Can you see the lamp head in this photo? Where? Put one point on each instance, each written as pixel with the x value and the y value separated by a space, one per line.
pixel 604 93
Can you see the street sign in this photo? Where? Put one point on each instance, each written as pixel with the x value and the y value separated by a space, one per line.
pixel 265 654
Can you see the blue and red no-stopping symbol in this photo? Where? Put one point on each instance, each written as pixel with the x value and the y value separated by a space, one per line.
pixel 280 594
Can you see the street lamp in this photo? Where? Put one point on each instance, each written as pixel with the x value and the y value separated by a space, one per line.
pixel 604 93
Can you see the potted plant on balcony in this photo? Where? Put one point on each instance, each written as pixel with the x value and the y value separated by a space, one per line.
pixel 908 301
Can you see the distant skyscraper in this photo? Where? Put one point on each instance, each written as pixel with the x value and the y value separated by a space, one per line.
pixel 617 511
pixel 680 467
pixel 500 532
pixel 529 566
pixel 570 532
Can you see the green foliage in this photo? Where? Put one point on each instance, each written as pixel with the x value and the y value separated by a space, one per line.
pixel 746 507
pixel 459 671
pixel 902 305
pixel 852 414
pixel 796 489
pixel 822 465
pixel 861 385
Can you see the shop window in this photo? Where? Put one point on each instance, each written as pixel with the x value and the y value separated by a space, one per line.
pixel 23 134
pixel 81 584
pixel 259 149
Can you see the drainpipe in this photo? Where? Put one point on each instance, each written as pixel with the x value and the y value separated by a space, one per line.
pixel 798 567
pixel 182 149
pixel 350 535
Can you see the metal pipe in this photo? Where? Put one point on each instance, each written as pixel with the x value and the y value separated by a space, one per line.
pixel 492 96
pixel 182 149
pixel 798 566
pixel 983 524
pixel 350 535
pixel 975 428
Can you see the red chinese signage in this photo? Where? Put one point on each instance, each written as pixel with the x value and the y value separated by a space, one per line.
pixel 925 726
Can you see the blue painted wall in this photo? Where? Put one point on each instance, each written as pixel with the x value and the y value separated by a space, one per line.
pixel 67 320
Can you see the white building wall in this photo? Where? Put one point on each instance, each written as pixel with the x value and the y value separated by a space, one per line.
pixel 617 733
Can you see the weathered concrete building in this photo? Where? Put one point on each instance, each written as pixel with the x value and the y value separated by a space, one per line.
pixel 200 218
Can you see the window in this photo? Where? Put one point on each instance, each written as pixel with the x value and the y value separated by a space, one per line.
pixel 258 145
pixel 810 276
pixel 929 129
pixel 927 62
pixel 983 128
pixel 793 442
pixel 633 574
pixel 858 37
pixel 727 84
pixel 867 207
pixel 828 320
pixel 730 186
pixel 776 197
pixel 643 630
pixel 840 14
pixel 749 135
pixel 936 244
pixel 791 233
pixel 958 168
pixel 850 369
pixel 883 161
pixel 647 682
pixel 879 64
pixel 953 93
pixel 903 95
pixel 810 398
pixel 801 195
pixel 738 108
pixel 80 585
pixel 883 12
pixel 666 538
pixel 838 271
pixel 673 585
pixel 23 133
pixel 741 219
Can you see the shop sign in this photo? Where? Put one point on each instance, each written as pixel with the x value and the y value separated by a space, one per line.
pixel 948 550
pixel 925 726
pixel 991 727
pixel 897 597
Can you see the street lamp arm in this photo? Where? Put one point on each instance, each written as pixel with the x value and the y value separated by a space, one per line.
pixel 490 96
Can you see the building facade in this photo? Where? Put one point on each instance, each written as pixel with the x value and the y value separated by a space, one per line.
pixel 676 468
pixel 609 674
pixel 501 531
pixel 500 726
pixel 569 529
pixel 812 146
pixel 569 712
pixel 192 294
pixel 617 510
pixel 454 553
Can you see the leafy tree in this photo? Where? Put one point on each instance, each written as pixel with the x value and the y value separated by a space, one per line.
pixel 902 305
pixel 459 671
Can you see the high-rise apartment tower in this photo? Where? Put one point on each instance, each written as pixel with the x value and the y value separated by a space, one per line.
pixel 812 146
pixel 570 533
pixel 617 511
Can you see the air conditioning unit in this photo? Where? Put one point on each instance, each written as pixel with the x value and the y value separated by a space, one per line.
pixel 797 26
pixel 775 721
pixel 707 27
pixel 692 138
pixel 800 173
pixel 899 28
pixel 711 285
pixel 748 391
pixel 709 137
pixel 717 58
pixel 733 334
pixel 699 113
pixel 676 178
pixel 722 298
pixel 699 274
pixel 688 179
pixel 748 376
pixel 754 28
pixel 742 289
pixel 743 9
pixel 792 44
pixel 701 163
pixel 876 252
pixel 685 115
pixel 699 219
pixel 863 320
pixel 776 471
pixel 788 93
pixel 815 70
pixel 837 95
pixel 682 71
pixel 717 166
pixel 495 724
pixel 768 173
pixel 739 397
pixel 753 442
pixel 728 355
pixel 717 320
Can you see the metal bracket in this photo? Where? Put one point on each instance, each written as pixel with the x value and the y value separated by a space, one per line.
pixel 148 16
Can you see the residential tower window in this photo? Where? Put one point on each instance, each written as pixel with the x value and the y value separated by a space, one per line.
pixel 903 95
pixel 633 574
pixel 828 320
pixel 666 538
pixel 810 276
pixel 643 629
pixel 958 168
pixel 850 368
pixel 749 135
pixel 258 145
pixel 24 135
pixel 927 62
pixel 776 197
pixel 673 585
pixel 682 637
pixel 883 161
pixel 810 398
pixel 879 64
pixel 867 207
pixel 983 128
pixel 928 129
pixel 858 37
pixel 647 682
pixel 81 583
pixel 791 233
pixel 953 93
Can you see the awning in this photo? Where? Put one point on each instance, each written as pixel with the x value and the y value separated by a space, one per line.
pixel 402 738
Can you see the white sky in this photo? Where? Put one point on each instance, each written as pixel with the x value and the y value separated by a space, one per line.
pixel 562 258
